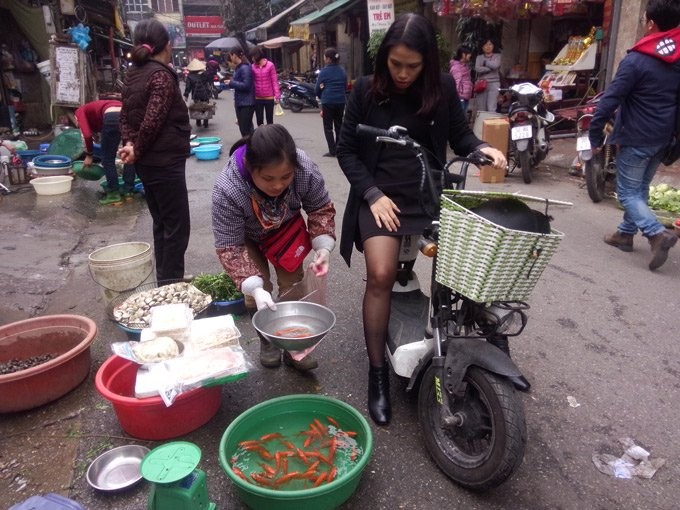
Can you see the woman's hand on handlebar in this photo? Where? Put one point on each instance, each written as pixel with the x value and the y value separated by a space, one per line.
pixel 385 214
pixel 497 156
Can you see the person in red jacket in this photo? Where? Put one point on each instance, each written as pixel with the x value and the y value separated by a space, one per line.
pixel 103 117
pixel 266 82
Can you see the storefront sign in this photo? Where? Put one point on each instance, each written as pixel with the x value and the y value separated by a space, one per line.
pixel 203 26
pixel 300 31
pixel 380 15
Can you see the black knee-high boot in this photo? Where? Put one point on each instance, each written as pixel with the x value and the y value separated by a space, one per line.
pixel 379 394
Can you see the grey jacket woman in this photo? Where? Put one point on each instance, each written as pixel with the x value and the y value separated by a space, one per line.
pixel 487 68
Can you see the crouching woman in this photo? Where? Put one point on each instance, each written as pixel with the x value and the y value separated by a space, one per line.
pixel 256 215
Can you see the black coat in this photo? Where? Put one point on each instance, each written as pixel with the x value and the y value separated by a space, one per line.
pixel 358 157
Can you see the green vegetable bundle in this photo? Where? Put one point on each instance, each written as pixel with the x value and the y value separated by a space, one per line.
pixel 220 286
pixel 664 197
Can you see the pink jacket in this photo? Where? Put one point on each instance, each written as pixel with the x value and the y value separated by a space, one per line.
pixel 266 81
pixel 461 74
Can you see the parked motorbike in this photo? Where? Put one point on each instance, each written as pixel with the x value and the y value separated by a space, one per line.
pixel 529 119
pixel 599 169
pixel 301 96
pixel 457 349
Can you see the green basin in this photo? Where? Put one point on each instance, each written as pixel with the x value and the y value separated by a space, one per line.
pixel 289 416
pixel 202 140
pixel 92 173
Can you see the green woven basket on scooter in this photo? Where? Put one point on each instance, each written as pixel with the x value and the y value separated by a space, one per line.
pixel 485 261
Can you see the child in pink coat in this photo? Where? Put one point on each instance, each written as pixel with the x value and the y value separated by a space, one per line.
pixel 460 70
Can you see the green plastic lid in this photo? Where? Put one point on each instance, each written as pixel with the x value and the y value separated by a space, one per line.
pixel 170 462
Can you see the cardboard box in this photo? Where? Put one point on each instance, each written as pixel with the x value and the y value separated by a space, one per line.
pixel 491 175
pixel 496 132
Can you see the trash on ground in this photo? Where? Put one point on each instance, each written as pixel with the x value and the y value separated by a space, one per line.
pixel 572 401
pixel 635 461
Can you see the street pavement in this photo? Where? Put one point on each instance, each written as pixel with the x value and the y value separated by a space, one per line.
pixel 600 350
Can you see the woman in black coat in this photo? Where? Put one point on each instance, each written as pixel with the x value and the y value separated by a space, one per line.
pixel 408 89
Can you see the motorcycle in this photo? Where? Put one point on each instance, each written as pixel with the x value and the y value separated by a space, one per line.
pixel 284 88
pixel 302 95
pixel 218 84
pixel 454 347
pixel 529 119
pixel 599 169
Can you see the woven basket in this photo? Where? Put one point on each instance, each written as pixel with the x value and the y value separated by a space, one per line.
pixel 484 261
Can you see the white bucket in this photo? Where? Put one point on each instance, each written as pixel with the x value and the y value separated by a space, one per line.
pixel 121 267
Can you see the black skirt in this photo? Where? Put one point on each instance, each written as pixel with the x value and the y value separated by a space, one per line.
pixel 412 218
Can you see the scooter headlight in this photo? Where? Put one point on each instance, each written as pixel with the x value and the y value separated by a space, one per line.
pixel 500 319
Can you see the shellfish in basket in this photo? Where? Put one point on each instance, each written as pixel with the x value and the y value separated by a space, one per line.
pixel 134 311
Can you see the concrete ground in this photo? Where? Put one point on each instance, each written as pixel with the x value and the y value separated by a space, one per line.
pixel 594 308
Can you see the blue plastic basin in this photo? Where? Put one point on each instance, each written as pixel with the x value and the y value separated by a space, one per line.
pixel 52 161
pixel 207 151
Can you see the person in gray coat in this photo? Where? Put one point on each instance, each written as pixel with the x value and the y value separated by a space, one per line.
pixel 487 66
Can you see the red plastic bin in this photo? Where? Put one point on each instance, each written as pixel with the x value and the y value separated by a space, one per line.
pixel 150 418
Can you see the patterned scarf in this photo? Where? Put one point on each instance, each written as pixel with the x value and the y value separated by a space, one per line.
pixel 269 211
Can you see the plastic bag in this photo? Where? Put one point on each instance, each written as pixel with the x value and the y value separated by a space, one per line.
pixel 199 369
pixel 278 110
pixel 312 289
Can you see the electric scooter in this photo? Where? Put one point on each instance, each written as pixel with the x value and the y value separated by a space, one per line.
pixel 454 348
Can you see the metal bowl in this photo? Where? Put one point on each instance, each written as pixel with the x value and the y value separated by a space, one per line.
pixel 117 469
pixel 294 314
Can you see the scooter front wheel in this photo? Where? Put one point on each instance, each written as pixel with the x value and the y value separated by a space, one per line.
pixel 487 445
pixel 595 176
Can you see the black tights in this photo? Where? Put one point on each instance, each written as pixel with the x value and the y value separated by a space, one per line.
pixel 381 254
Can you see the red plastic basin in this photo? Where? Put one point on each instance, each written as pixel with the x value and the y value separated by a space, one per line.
pixel 68 337
pixel 150 418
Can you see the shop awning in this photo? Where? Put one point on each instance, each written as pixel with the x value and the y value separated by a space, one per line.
pixel 282 42
pixel 300 28
pixel 259 33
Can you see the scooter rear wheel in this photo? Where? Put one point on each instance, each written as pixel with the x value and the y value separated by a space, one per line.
pixel 488 446
pixel 525 163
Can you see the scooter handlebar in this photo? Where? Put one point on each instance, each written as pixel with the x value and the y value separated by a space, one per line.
pixel 366 130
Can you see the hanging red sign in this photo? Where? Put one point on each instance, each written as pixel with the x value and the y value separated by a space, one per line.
pixel 203 26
